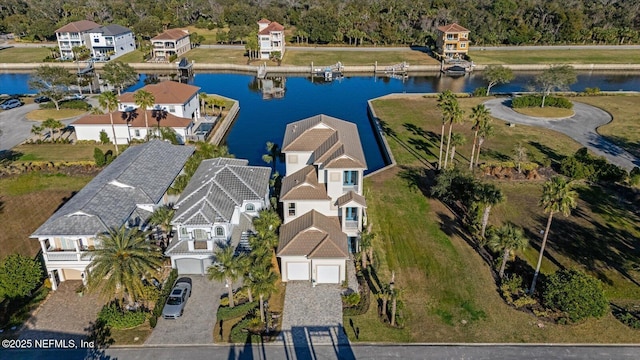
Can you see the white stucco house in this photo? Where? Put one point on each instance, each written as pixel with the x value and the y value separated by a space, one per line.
pixel 217 207
pixel 111 40
pixel 125 193
pixel 175 98
pixel 170 42
pixel 74 34
pixel 324 210
pixel 270 38
pixel 129 125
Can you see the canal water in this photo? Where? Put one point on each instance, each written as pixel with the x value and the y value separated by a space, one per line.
pixel 263 120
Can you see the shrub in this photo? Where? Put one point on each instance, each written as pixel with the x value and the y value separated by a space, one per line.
pixel 239 335
pixel 511 286
pixel 582 165
pixel 164 294
pixel 117 318
pixel 480 92
pixel 365 298
pixel 69 104
pixel 627 318
pixel 104 138
pixel 524 302
pixel 225 312
pixel 634 176
pixel 576 294
pixel 351 299
pixel 19 276
pixel 98 156
pixel 592 91
pixel 536 100
pixel 575 169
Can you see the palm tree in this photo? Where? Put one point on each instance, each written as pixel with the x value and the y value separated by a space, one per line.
pixel 162 217
pixel 121 261
pixel 227 268
pixel 484 131
pixel 109 102
pixel 385 292
pixel 267 221
pixel 456 114
pixel 263 283
pixel 457 139
pixel 557 196
pixel 507 238
pixel 204 99
pixel 366 247
pixel 479 116
pixel 488 195
pixel 272 155
pixel 37 130
pixel 144 100
pixel 444 99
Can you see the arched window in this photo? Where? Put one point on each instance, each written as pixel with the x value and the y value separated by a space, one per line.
pixel 250 207
pixel 219 231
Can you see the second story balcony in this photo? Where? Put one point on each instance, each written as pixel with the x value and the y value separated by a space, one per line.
pixel 53 255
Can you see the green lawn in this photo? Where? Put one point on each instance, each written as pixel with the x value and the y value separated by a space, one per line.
pixel 44 114
pixel 217 56
pixel 329 57
pixel 449 292
pixel 136 56
pixel 24 55
pixel 573 56
pixel 58 152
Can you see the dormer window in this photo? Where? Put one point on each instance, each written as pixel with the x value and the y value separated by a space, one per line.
pixel 250 207
pixel 219 231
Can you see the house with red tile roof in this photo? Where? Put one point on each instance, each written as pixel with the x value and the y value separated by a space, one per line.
pixel 270 38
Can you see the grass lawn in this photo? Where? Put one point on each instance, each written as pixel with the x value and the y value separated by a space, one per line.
pixel 136 56
pixel 26 202
pixel 44 114
pixel 546 112
pixel 624 130
pixel 217 56
pixel 449 292
pixel 209 35
pixel 24 55
pixel 135 336
pixel 329 57
pixel 573 56
pixel 58 152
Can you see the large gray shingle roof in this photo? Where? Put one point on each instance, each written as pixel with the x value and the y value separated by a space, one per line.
pixel 217 187
pixel 140 175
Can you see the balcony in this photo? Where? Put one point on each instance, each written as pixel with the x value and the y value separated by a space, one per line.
pixel 351 224
pixel 68 255
pixel 346 188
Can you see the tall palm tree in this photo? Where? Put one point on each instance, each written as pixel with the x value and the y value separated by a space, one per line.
pixel 267 221
pixel 144 100
pixel 484 131
pixel 227 268
pixel 272 155
pixel 119 263
pixel 457 139
pixel 162 217
pixel 479 116
pixel 444 100
pixel 557 196
pixel 488 195
pixel 507 238
pixel 263 283
pixel 109 102
pixel 456 116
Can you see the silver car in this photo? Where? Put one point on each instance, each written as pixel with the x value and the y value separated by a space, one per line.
pixel 174 307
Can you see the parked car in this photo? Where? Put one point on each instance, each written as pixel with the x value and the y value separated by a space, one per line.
pixel 75 97
pixel 180 293
pixel 10 104
pixel 41 99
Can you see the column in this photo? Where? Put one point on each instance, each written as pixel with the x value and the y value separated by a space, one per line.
pixel 52 278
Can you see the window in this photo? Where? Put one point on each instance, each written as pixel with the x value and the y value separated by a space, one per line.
pixel 172 108
pixel 292 209
pixel 137 132
pixel 96 40
pixel 350 178
pixel 351 214
pixel 463 45
pixel 250 207
pixel 219 231
pixel 183 231
pixel 199 234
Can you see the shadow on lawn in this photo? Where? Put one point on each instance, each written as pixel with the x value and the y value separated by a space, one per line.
pixel 547 151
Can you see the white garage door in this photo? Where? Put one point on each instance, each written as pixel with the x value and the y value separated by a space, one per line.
pixel 328 274
pixel 298 271
pixel 189 266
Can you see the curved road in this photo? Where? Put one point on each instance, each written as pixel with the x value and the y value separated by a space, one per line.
pixel 581 127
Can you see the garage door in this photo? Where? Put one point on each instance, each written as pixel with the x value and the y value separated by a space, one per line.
pixel 328 274
pixel 189 266
pixel 71 274
pixel 298 271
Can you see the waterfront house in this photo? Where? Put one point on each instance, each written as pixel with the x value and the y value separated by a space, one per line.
pixel 170 42
pixel 175 98
pixel 216 208
pixel 129 125
pixel 452 42
pixel 321 195
pixel 270 38
pixel 111 41
pixel 125 193
pixel 74 34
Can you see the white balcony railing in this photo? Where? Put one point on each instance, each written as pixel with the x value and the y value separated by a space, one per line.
pixel 346 188
pixel 69 255
pixel 351 224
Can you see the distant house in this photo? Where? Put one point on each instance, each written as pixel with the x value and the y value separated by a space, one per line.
pixel 270 38
pixel 131 125
pixel 170 42
pixel 111 41
pixel 74 34
pixel 216 207
pixel 321 195
pixel 452 41
pixel 175 98
pixel 125 193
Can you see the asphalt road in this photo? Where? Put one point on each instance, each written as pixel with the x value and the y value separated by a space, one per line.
pixel 581 127
pixel 381 352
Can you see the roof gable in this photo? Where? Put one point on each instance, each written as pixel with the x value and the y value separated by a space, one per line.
pixel 166 92
pixel 313 235
pixel 172 34
pixel 78 26
pixel 452 28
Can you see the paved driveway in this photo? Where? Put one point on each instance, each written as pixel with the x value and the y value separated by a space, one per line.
pixel 581 127
pixel 196 324
pixel 312 316
pixel 64 315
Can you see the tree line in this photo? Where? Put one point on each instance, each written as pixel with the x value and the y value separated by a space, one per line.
pixel 359 22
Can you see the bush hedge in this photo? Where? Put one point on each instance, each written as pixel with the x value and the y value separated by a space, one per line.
pixel 536 100
pixel 69 104
pixel 576 294
pixel 117 318
pixel 162 299
pixel 583 165
pixel 365 298
pixel 239 334
pixel 225 312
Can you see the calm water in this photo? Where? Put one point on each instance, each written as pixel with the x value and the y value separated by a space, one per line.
pixel 261 120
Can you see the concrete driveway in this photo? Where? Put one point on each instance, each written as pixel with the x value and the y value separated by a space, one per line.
pixel 581 127
pixel 196 324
